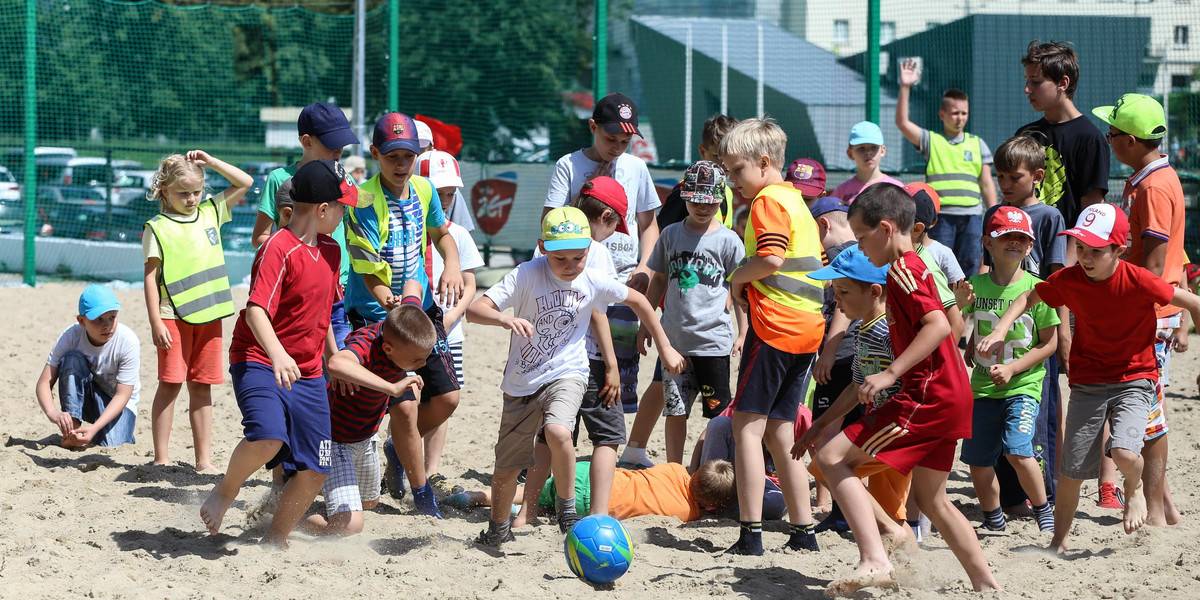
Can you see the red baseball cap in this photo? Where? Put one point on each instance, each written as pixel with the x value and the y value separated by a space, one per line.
pixel 929 204
pixel 1100 225
pixel 806 175
pixel 1009 219
pixel 608 191
pixel 1191 270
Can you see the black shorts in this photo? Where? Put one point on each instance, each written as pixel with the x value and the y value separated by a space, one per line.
pixel 771 382
pixel 438 372
pixel 605 426
pixel 825 394
pixel 704 376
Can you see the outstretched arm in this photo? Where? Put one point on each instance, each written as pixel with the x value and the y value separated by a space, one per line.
pixel 484 312
pixel 994 341
pixel 909 75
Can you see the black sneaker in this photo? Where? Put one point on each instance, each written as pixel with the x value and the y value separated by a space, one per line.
pixel 493 540
pixel 566 521
pixel 443 486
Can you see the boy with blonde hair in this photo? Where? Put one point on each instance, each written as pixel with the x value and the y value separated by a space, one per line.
pixel 785 327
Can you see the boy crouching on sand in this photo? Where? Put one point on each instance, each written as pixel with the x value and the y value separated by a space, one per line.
pixel 277 349
pixel 95 363
pixel 1113 367
pixel 918 430
pixel 370 373
pixel 552 298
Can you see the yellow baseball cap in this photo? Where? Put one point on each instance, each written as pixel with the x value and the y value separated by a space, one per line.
pixel 565 228
pixel 1135 114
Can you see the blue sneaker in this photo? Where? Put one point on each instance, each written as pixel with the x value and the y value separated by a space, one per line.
pixel 394 476
pixel 425 501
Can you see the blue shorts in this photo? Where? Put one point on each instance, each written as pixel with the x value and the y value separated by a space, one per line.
pixel 298 417
pixel 771 382
pixel 1000 427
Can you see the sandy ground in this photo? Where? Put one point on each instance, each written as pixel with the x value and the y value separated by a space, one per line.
pixel 103 523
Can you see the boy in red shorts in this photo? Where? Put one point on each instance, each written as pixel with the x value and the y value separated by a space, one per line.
pixel 916 431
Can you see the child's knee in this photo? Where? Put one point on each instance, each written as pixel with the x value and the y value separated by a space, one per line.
pixel 404 413
pixel 556 434
pixel 447 401
pixel 370 504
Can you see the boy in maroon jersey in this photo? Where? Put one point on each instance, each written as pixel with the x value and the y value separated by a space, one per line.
pixel 917 431
pixel 370 373
pixel 277 348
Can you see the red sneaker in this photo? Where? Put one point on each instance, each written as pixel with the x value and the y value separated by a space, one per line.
pixel 1111 496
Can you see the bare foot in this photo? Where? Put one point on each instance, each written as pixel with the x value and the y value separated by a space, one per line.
pixel 207 469
pixel 906 542
pixel 277 544
pixel 1135 507
pixel 160 463
pixel 212 512
pixel 861 579
pixel 986 584
pixel 71 442
pixel 1057 545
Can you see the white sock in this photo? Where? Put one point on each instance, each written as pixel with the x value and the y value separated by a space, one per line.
pixel 635 455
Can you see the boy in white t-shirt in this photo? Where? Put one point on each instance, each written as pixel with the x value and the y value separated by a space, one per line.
pixel 552 298
pixel 95 363
pixel 443 172
pixel 613 124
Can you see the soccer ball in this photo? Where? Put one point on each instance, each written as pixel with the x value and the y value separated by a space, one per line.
pixel 598 549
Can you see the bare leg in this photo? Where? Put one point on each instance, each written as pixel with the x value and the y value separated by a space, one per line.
pixel 435 441
pixel 200 414
pixel 793 477
pixel 676 434
pixel 1131 467
pixel 749 467
pixel 504 489
pixel 406 439
pixel 298 494
pixel 1108 470
pixel 535 480
pixel 929 486
pixel 649 407
pixel 348 522
pixel 697 452
pixel 604 464
pixel 1169 510
pixel 837 461
pixel 562 460
pixel 435 412
pixel 247 458
pixel 1154 478
pixel 162 417
pixel 1066 502
pixel 1030 476
pixel 987 488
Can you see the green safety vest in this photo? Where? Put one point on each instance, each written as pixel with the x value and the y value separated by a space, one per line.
pixel 193 265
pixel 954 169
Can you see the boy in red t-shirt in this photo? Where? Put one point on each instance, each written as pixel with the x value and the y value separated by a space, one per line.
pixel 277 348
pixel 1113 369
pixel 1153 198
pixel 918 429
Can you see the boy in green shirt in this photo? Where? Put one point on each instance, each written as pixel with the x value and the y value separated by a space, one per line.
pixel 1007 389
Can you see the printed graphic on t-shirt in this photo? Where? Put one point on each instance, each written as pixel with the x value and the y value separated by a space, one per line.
pixel 552 326
pixel 403 248
pixel 690 269
pixel 1055 181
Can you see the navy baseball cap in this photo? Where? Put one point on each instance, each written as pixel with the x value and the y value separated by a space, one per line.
pixel 826 205
pixel 320 181
pixel 616 113
pixel 328 124
pixel 396 131
pixel 851 263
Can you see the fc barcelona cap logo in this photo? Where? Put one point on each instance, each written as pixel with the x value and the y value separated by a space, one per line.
pixel 803 171
pixel 398 128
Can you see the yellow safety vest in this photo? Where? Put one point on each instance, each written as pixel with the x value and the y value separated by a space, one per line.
pixel 193 265
pixel 364 257
pixel 790 286
pixel 954 169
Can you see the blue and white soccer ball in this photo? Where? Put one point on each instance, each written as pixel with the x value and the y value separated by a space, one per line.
pixel 598 549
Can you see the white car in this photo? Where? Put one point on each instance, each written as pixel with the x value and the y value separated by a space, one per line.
pixel 9 189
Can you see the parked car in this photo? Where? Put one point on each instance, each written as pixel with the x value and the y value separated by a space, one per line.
pixel 235 235
pixel 12 217
pixel 9 190
pixel 134 186
pixel 14 158
pixel 82 213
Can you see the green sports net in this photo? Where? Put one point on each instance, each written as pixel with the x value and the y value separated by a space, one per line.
pixel 118 85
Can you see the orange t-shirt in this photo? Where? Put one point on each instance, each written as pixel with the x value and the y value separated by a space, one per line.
pixel 779 326
pixel 659 490
pixel 1154 199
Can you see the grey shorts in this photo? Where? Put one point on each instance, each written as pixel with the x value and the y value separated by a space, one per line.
pixel 555 403
pixel 1125 406
pixel 353 477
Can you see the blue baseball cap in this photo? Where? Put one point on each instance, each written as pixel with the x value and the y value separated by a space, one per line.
pixel 97 300
pixel 866 132
pixel 396 131
pixel 853 264
pixel 328 124
pixel 826 205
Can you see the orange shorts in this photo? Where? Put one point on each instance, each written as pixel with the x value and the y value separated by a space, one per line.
pixel 886 485
pixel 195 354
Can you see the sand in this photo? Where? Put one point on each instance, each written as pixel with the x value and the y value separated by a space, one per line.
pixel 103 523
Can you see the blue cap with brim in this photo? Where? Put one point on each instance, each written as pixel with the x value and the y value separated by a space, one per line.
pixel 851 263
pixel 97 300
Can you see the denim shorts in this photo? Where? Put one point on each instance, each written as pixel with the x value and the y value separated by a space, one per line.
pixel 1000 427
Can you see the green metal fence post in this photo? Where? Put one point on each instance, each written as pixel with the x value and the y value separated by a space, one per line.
pixel 600 52
pixel 872 99
pixel 393 53
pixel 30 161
